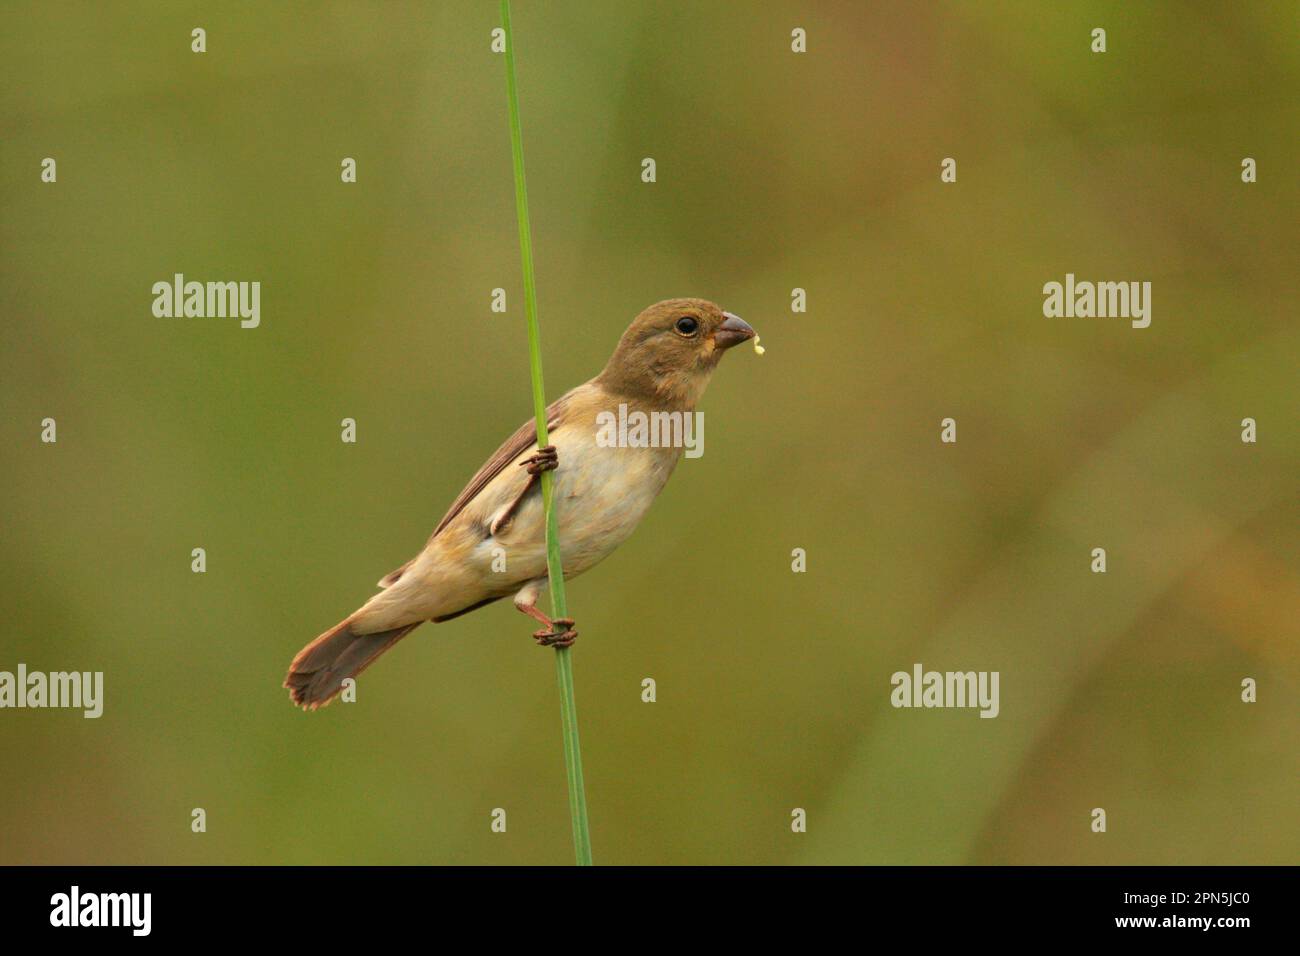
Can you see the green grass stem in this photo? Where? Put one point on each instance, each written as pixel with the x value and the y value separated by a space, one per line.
pixel 559 607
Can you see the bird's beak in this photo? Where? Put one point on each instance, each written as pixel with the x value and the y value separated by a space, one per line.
pixel 732 331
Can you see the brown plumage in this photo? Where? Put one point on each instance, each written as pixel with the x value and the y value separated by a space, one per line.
pixel 662 364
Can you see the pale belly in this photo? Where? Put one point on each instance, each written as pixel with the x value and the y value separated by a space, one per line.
pixel 601 495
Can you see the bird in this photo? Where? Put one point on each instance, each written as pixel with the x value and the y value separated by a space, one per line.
pixel 601 491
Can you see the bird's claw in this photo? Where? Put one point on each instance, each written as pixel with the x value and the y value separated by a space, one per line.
pixel 546 459
pixel 559 634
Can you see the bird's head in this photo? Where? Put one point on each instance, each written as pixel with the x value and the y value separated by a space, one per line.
pixel 669 351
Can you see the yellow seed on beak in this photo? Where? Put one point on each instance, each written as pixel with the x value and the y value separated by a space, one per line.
pixel 758 349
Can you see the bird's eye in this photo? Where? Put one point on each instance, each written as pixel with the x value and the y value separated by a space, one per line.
pixel 687 325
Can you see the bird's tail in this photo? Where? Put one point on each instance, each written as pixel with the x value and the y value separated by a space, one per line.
pixel 317 673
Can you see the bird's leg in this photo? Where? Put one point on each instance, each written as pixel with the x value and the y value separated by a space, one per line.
pixel 559 631
pixel 546 459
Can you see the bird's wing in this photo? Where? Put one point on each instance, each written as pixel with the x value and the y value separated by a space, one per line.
pixel 525 436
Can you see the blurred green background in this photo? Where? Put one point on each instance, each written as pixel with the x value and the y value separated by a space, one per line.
pixel 775 171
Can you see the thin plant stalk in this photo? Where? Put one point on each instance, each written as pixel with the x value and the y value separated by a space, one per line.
pixel 554 568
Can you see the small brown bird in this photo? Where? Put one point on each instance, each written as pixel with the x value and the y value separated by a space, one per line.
pixel 662 364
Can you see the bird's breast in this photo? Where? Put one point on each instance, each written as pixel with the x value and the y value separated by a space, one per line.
pixel 602 493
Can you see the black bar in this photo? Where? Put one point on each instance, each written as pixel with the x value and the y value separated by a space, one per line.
pixel 317 907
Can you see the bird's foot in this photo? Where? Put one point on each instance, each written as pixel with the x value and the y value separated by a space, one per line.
pixel 546 459
pixel 559 634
